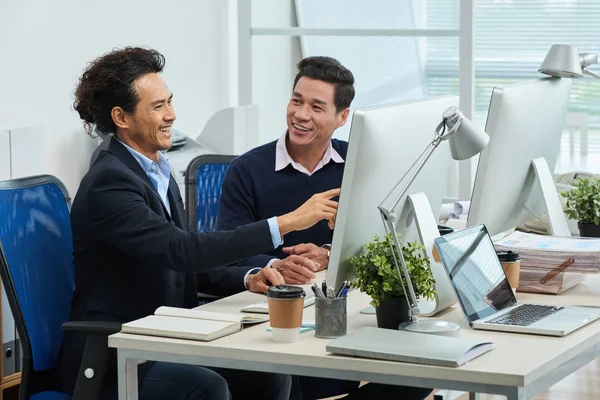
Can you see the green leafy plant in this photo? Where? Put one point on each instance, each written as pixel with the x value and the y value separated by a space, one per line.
pixel 375 274
pixel 583 201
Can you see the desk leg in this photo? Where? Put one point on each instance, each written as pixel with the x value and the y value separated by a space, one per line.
pixel 516 394
pixel 127 370
pixel 474 396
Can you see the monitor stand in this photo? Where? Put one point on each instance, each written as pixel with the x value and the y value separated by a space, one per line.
pixel 556 216
pixel 427 229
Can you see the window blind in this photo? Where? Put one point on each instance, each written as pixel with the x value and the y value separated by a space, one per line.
pixel 512 38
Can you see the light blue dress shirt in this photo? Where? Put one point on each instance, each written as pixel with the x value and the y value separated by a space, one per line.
pixel 160 175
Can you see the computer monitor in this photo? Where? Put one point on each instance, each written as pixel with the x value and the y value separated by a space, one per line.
pixel 384 142
pixel 514 181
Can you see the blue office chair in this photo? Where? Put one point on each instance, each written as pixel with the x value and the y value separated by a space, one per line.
pixel 36 265
pixel 203 179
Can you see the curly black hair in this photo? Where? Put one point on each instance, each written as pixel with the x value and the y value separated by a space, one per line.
pixel 108 82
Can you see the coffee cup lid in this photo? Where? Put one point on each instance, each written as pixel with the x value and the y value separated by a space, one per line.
pixel 444 230
pixel 285 292
pixel 504 256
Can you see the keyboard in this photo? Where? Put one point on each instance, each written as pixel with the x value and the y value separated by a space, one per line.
pixel 524 315
pixel 263 306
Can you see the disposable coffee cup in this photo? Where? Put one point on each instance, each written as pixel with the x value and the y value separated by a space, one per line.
pixel 286 304
pixel 511 264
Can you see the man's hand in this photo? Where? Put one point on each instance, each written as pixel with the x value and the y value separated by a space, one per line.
pixel 311 251
pixel 318 207
pixel 260 282
pixel 296 270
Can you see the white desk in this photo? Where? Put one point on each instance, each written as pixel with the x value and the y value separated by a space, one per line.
pixel 520 367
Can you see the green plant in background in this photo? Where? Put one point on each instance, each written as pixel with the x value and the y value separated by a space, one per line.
pixel 375 274
pixel 583 201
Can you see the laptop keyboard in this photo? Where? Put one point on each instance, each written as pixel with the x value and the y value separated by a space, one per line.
pixel 525 314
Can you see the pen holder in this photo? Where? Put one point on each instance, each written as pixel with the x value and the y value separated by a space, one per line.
pixel 330 317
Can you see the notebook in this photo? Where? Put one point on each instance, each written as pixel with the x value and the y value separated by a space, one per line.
pixel 417 348
pixel 182 323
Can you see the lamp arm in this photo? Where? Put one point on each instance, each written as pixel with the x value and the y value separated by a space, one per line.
pixel 388 216
pixel 389 227
pixel 413 171
pixel 590 73
pixel 411 299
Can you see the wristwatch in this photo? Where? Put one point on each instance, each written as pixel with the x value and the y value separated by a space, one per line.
pixel 328 248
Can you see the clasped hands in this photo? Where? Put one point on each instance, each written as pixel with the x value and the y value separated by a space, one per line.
pixel 296 269
pixel 304 259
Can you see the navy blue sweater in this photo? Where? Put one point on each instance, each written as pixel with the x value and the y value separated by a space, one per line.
pixel 253 190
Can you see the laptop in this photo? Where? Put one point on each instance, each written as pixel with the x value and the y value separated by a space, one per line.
pixel 485 296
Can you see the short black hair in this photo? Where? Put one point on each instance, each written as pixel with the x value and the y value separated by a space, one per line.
pixel 108 82
pixel 329 70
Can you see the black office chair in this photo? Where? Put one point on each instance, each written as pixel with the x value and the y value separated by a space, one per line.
pixel 36 265
pixel 203 179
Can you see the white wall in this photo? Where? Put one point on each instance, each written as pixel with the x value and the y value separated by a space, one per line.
pixel 45 45
pixel 274 60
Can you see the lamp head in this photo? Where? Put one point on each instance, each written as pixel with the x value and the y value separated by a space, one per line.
pixel 565 61
pixel 588 59
pixel 465 139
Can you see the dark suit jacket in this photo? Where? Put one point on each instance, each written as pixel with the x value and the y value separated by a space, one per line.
pixel 131 256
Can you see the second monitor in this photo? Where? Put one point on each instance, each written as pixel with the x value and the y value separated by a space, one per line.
pixel 514 181
pixel 384 142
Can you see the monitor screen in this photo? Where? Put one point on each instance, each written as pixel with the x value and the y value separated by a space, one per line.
pixel 470 259
pixel 384 142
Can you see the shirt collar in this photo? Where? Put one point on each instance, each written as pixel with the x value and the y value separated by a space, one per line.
pixel 283 158
pixel 146 163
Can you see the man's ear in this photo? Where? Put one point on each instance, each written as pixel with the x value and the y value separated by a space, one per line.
pixel 343 117
pixel 119 117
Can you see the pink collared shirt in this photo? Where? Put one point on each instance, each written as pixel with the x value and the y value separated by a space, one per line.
pixel 283 159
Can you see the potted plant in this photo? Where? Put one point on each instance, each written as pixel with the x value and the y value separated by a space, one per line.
pixel 375 273
pixel 583 205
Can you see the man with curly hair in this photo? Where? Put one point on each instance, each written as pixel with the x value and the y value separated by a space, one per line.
pixel 132 253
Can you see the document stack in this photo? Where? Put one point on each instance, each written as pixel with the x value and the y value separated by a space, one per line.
pixel 551 264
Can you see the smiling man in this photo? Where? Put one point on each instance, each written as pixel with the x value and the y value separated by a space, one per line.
pixel 281 175
pixel 131 251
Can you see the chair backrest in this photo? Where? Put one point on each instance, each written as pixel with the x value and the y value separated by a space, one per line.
pixel 36 264
pixel 203 178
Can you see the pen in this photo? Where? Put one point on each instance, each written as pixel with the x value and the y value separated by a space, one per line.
pixel 345 292
pixel 320 293
pixel 341 289
pixel 324 287
pixel 330 293
pixel 314 289
pixel 317 290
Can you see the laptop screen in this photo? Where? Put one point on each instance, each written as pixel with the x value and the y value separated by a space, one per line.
pixel 470 260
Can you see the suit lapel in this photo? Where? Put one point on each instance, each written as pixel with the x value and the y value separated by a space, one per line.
pixel 119 151
pixel 177 213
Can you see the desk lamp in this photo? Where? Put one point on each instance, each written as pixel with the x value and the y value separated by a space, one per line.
pixel 565 61
pixel 465 141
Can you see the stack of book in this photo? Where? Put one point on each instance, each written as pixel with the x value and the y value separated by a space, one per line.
pixel 551 264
